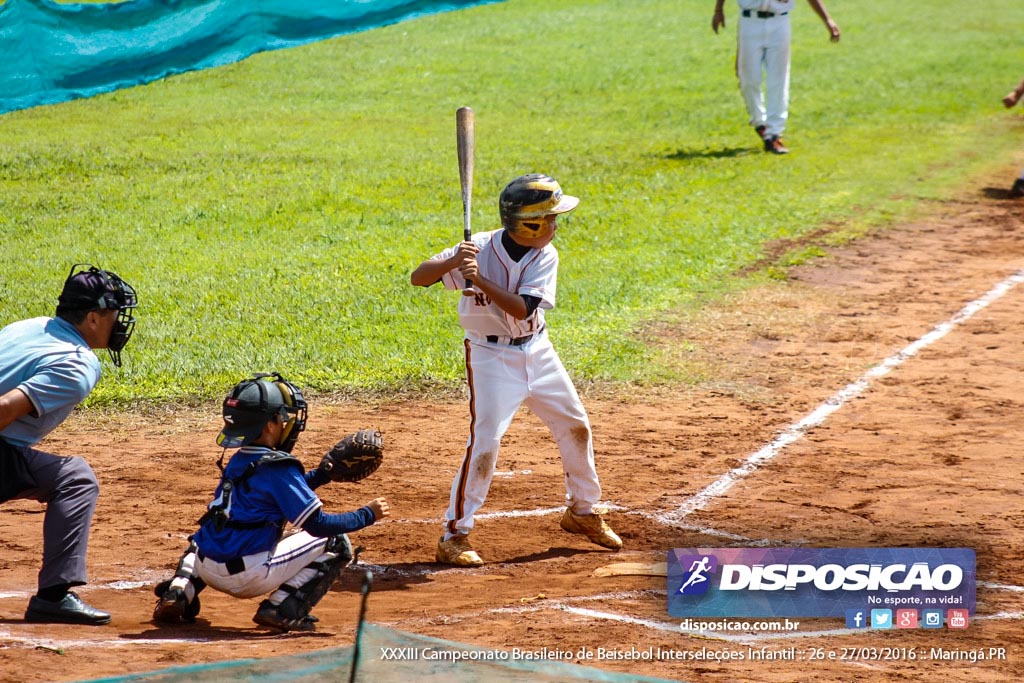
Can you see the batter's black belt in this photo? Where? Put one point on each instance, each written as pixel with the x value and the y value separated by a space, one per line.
pixel 512 341
pixel 236 565
pixel 763 15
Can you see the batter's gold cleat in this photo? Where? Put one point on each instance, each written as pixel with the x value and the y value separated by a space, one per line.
pixel 593 527
pixel 457 551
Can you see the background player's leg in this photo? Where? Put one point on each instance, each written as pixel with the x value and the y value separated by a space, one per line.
pixel 749 66
pixel 777 55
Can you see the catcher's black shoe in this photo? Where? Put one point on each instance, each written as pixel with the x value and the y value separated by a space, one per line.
pixel 172 608
pixel 775 145
pixel 1018 188
pixel 172 605
pixel 269 615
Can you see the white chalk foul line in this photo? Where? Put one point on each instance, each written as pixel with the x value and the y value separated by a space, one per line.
pixel 52 644
pixel 754 462
pixel 1001 587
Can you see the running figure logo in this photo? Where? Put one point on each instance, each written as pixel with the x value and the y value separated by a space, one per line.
pixel 695 579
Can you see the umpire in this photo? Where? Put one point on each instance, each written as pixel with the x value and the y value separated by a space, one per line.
pixel 47 367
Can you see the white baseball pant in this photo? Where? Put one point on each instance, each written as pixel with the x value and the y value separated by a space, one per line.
pixel 502 377
pixel 260 573
pixel 763 46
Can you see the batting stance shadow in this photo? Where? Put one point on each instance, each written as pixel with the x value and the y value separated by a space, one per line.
pixel 386 577
pixel 552 553
pixel 725 153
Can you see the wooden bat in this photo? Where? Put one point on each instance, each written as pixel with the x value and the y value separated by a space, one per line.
pixel 465 138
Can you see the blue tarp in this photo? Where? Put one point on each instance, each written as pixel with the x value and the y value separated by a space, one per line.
pixel 57 52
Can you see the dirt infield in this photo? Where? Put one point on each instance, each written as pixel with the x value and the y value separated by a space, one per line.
pixel 928 455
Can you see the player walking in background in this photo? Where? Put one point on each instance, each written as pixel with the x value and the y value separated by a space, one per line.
pixel 1011 99
pixel 241 548
pixel 764 45
pixel 510 359
pixel 47 367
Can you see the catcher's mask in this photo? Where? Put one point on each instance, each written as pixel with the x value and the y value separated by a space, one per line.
pixel 529 198
pixel 254 402
pixel 87 288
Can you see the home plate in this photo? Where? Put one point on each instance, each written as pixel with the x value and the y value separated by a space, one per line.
pixel 633 569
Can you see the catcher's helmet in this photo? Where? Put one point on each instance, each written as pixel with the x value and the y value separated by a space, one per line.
pixel 254 402
pixel 87 288
pixel 529 198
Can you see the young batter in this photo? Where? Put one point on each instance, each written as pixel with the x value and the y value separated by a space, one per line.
pixel 241 548
pixel 510 360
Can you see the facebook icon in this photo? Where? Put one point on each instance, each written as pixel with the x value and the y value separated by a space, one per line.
pixel 855 618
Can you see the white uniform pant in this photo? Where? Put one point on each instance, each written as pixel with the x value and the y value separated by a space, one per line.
pixel 762 53
pixel 263 572
pixel 501 378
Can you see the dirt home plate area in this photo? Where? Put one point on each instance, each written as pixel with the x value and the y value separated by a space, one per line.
pixel 925 453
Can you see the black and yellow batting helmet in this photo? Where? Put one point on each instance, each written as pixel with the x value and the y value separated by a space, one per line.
pixel 529 198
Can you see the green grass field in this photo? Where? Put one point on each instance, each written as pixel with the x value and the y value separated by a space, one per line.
pixel 269 212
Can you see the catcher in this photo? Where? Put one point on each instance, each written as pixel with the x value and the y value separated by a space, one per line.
pixel 241 547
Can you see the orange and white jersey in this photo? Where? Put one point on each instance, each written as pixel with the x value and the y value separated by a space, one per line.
pixel 535 274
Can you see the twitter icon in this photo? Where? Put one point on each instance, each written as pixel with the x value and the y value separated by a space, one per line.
pixel 881 618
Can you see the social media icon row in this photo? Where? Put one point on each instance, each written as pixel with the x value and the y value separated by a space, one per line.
pixel 906 618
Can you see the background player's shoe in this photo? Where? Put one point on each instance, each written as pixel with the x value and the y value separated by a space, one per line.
pixel 270 615
pixel 457 551
pixel 1018 188
pixel 593 527
pixel 760 131
pixel 775 145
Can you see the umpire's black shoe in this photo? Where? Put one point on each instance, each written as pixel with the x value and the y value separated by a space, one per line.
pixel 1018 188
pixel 69 610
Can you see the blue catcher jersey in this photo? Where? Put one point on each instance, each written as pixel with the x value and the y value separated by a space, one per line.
pixel 273 494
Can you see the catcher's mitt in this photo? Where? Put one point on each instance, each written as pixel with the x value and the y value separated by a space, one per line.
pixel 355 457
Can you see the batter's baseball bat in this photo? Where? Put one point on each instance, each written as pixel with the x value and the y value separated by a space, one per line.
pixel 465 138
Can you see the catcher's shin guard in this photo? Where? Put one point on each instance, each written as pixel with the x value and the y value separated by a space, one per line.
pixel 325 571
pixel 178 597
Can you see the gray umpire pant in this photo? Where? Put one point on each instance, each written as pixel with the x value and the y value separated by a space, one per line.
pixel 68 487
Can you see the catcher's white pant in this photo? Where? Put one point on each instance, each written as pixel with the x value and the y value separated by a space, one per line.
pixel 763 44
pixel 263 572
pixel 502 377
